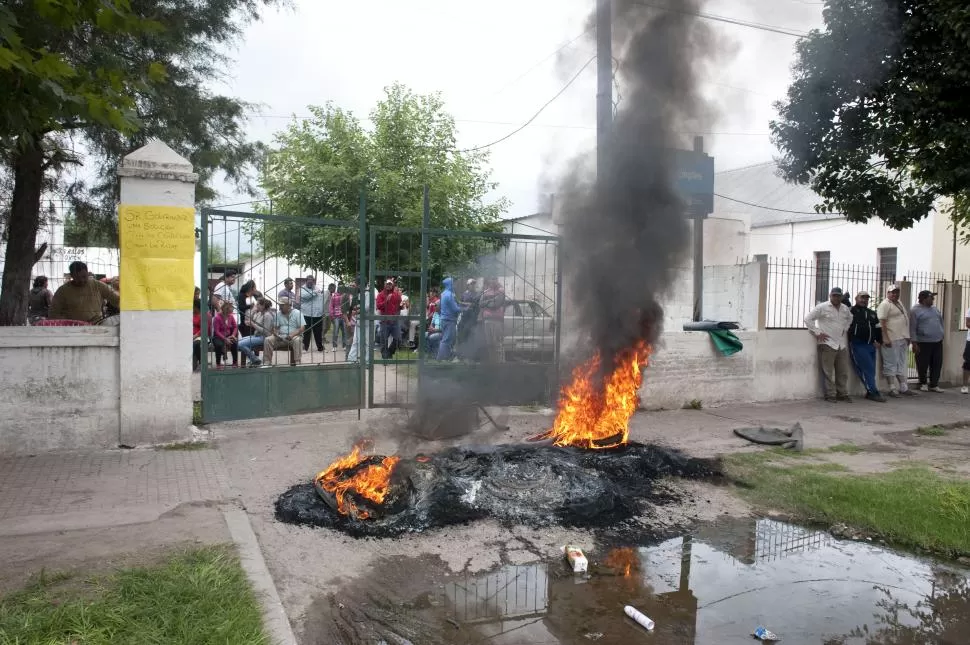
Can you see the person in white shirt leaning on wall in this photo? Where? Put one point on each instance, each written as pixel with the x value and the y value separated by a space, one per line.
pixel 829 323
pixel 895 342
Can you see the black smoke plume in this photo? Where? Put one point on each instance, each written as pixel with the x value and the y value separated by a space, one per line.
pixel 624 229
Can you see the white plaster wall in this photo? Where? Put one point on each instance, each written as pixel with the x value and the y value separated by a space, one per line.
pixel 847 243
pixel 725 240
pixel 775 365
pixel 58 389
pixel 731 293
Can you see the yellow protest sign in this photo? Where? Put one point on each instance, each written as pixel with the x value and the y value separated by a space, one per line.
pixel 157 252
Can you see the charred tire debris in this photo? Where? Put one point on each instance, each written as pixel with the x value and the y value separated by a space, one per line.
pixel 514 484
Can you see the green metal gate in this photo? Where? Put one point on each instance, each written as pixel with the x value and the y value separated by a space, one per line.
pixel 527 370
pixel 263 248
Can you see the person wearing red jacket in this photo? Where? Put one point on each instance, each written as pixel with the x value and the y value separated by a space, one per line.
pixel 389 304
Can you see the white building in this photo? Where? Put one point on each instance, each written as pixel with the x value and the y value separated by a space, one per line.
pixel 810 252
pixel 784 224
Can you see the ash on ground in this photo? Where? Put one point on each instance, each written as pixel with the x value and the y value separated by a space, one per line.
pixel 516 485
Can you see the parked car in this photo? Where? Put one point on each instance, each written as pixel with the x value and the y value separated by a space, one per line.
pixel 530 332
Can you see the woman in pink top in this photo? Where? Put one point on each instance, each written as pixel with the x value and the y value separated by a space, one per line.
pixel 225 334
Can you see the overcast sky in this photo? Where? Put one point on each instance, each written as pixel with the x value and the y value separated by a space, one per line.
pixel 485 60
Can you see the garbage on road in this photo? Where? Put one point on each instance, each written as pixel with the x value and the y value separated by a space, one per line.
pixel 641 619
pixel 762 633
pixel 577 560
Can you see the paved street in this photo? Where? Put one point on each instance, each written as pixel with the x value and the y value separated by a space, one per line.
pixel 77 510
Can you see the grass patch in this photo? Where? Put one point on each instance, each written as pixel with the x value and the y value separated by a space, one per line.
pixel 911 507
pixel 197 413
pixel 846 449
pixel 931 431
pixel 197 597
pixel 693 404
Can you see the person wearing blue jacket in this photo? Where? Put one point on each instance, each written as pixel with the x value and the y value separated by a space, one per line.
pixel 450 310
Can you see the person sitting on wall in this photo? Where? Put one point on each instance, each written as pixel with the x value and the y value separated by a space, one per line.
pixel 262 322
pixel 82 298
pixel 287 332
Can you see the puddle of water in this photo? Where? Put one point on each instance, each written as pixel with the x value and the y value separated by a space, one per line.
pixel 714 588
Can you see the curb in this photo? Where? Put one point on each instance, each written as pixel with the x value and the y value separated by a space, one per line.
pixel 251 558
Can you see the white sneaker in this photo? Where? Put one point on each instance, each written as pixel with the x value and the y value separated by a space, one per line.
pixel 937 389
pixel 924 388
pixel 965 390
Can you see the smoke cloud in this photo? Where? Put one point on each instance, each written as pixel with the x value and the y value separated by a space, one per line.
pixel 623 227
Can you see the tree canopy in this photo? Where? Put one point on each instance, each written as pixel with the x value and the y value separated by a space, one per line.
pixel 89 81
pixel 322 163
pixel 877 119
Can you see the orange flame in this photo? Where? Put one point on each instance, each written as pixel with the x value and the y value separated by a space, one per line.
pixel 600 419
pixel 623 560
pixel 371 483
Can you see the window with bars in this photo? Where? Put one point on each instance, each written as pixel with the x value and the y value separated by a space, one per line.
pixel 887 266
pixel 823 275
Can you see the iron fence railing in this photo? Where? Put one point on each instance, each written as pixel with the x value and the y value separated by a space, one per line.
pixel 796 286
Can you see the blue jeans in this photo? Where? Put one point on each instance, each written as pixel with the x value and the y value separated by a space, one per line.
pixel 864 359
pixel 390 329
pixel 340 326
pixel 449 329
pixel 432 343
pixel 248 344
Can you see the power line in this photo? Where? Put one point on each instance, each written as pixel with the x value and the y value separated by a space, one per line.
pixel 536 115
pixel 772 208
pixel 786 31
pixel 536 65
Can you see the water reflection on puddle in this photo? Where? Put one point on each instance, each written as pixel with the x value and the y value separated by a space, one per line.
pixel 714 588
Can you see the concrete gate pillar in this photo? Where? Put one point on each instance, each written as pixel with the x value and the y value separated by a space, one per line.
pixel 953 341
pixel 156 222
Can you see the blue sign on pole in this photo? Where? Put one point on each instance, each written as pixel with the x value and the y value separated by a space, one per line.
pixel 695 181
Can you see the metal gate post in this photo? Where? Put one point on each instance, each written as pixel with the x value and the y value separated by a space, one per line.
pixel 372 251
pixel 362 345
pixel 423 323
pixel 204 311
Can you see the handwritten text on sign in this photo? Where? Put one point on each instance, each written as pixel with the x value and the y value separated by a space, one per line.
pixel 157 251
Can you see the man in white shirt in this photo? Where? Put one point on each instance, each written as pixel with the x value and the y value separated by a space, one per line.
pixel 287 331
pixel 225 291
pixel 894 320
pixel 829 323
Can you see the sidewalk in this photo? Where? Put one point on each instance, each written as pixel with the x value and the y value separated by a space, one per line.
pixel 92 510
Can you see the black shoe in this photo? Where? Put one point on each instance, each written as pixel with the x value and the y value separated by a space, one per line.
pixel 830 399
pixel 876 397
pixel 844 398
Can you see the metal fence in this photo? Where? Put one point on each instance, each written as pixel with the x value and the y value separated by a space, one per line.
pixel 796 286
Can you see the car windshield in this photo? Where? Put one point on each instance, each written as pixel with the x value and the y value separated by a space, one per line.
pixel 529 309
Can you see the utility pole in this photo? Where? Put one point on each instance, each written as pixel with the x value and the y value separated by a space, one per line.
pixel 698 233
pixel 604 81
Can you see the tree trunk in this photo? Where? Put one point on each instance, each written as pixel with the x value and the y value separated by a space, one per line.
pixel 20 257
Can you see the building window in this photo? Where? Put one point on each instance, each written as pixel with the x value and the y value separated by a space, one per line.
pixel 887 267
pixel 823 273
pixel 761 257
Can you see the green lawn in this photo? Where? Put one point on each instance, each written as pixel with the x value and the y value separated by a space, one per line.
pixel 910 507
pixel 198 597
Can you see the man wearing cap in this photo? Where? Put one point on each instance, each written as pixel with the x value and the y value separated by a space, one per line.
pixel 865 335
pixel 287 330
pixel 926 330
pixel 894 322
pixel 829 323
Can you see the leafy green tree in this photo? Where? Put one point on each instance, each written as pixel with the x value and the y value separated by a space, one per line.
pixel 876 119
pixel 95 80
pixel 323 162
